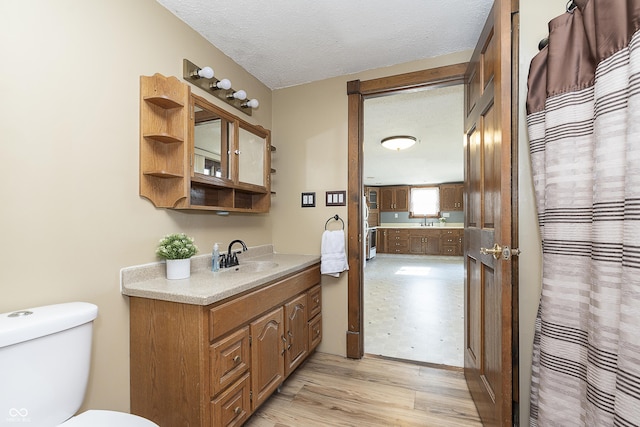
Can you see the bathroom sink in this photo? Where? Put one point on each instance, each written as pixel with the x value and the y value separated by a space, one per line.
pixel 252 267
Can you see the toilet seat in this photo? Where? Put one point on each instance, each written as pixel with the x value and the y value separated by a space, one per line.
pixel 99 418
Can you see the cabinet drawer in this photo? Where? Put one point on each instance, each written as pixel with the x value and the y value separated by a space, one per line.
pixel 450 250
pixel 395 233
pixel 229 358
pixel 232 408
pixel 226 317
pixel 314 301
pixel 315 332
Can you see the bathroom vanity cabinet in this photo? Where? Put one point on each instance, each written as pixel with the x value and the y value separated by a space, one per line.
pixel 195 155
pixel 214 365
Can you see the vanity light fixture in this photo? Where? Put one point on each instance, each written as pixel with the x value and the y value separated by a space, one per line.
pixel 220 88
pixel 398 142
pixel 221 84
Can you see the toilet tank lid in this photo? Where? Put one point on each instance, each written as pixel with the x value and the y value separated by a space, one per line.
pixel 23 325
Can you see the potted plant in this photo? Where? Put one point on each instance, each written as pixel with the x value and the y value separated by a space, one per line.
pixel 442 220
pixel 177 249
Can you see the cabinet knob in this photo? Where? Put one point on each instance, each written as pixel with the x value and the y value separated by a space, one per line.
pixel 237 410
pixel 236 359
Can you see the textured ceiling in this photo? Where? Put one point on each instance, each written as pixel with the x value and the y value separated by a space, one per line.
pixel 287 43
pixel 435 117
pixel 290 42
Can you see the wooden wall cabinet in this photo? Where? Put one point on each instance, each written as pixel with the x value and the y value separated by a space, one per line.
pixel 372 195
pixel 451 197
pixel 394 199
pixel 215 365
pixel 230 171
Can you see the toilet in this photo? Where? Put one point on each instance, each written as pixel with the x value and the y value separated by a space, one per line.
pixel 45 355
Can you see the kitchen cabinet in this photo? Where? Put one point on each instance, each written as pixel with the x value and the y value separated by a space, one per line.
pixel 372 197
pixel 394 199
pixel 195 155
pixel 452 242
pixel 424 242
pixel 421 241
pixel 214 365
pixel 397 241
pixel 451 197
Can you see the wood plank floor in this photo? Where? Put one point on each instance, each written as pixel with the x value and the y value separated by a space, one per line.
pixel 330 390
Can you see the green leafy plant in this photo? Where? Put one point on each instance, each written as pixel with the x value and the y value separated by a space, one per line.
pixel 442 220
pixel 176 246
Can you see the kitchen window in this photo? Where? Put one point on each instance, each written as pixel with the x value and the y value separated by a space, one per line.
pixel 424 202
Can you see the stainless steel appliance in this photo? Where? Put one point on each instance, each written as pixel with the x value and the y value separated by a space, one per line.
pixel 372 237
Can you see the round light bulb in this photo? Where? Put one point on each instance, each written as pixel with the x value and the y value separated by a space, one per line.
pixel 240 95
pixel 252 103
pixel 206 72
pixel 224 84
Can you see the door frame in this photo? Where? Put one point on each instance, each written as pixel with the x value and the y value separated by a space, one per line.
pixel 357 92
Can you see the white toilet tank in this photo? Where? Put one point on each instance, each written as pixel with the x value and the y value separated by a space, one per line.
pixel 45 357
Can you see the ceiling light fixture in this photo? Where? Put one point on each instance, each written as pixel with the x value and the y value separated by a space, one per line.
pixel 398 142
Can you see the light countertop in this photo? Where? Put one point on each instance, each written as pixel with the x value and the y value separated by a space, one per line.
pixel 205 287
pixel 416 225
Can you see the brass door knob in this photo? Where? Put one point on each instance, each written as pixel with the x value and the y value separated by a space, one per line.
pixel 499 251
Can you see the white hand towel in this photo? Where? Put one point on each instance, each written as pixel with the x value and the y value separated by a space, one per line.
pixel 333 259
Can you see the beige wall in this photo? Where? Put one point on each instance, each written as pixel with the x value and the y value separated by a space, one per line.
pixel 69 110
pixel 71 210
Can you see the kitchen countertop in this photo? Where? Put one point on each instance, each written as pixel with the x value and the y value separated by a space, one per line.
pixel 415 225
pixel 205 287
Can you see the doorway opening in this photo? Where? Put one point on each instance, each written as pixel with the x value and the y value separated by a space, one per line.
pixel 413 295
pixel 357 92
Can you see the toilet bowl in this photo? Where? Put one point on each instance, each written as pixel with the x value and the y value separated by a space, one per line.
pixel 99 418
pixel 45 355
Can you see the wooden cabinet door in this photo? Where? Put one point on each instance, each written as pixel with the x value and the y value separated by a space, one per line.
pixel 387 199
pixel 267 355
pixel 296 339
pixel 416 244
pixel 402 199
pixel 451 196
pixel 432 244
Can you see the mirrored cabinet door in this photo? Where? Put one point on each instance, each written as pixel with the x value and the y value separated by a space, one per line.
pixel 210 140
pixel 251 157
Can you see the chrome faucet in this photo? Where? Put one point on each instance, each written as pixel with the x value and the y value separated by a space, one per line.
pixel 231 259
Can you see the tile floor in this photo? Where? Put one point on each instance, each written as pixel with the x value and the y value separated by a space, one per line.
pixel 414 308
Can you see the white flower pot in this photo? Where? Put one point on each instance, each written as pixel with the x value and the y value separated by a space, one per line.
pixel 178 268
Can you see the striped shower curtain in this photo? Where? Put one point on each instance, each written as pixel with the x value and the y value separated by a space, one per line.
pixel 583 117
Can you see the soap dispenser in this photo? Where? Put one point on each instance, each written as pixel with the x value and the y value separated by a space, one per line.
pixel 215 258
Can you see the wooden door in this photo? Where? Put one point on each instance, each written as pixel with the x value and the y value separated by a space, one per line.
pixel 267 355
pixel 489 301
pixel 296 333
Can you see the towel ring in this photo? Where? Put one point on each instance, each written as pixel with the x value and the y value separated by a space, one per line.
pixel 335 218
